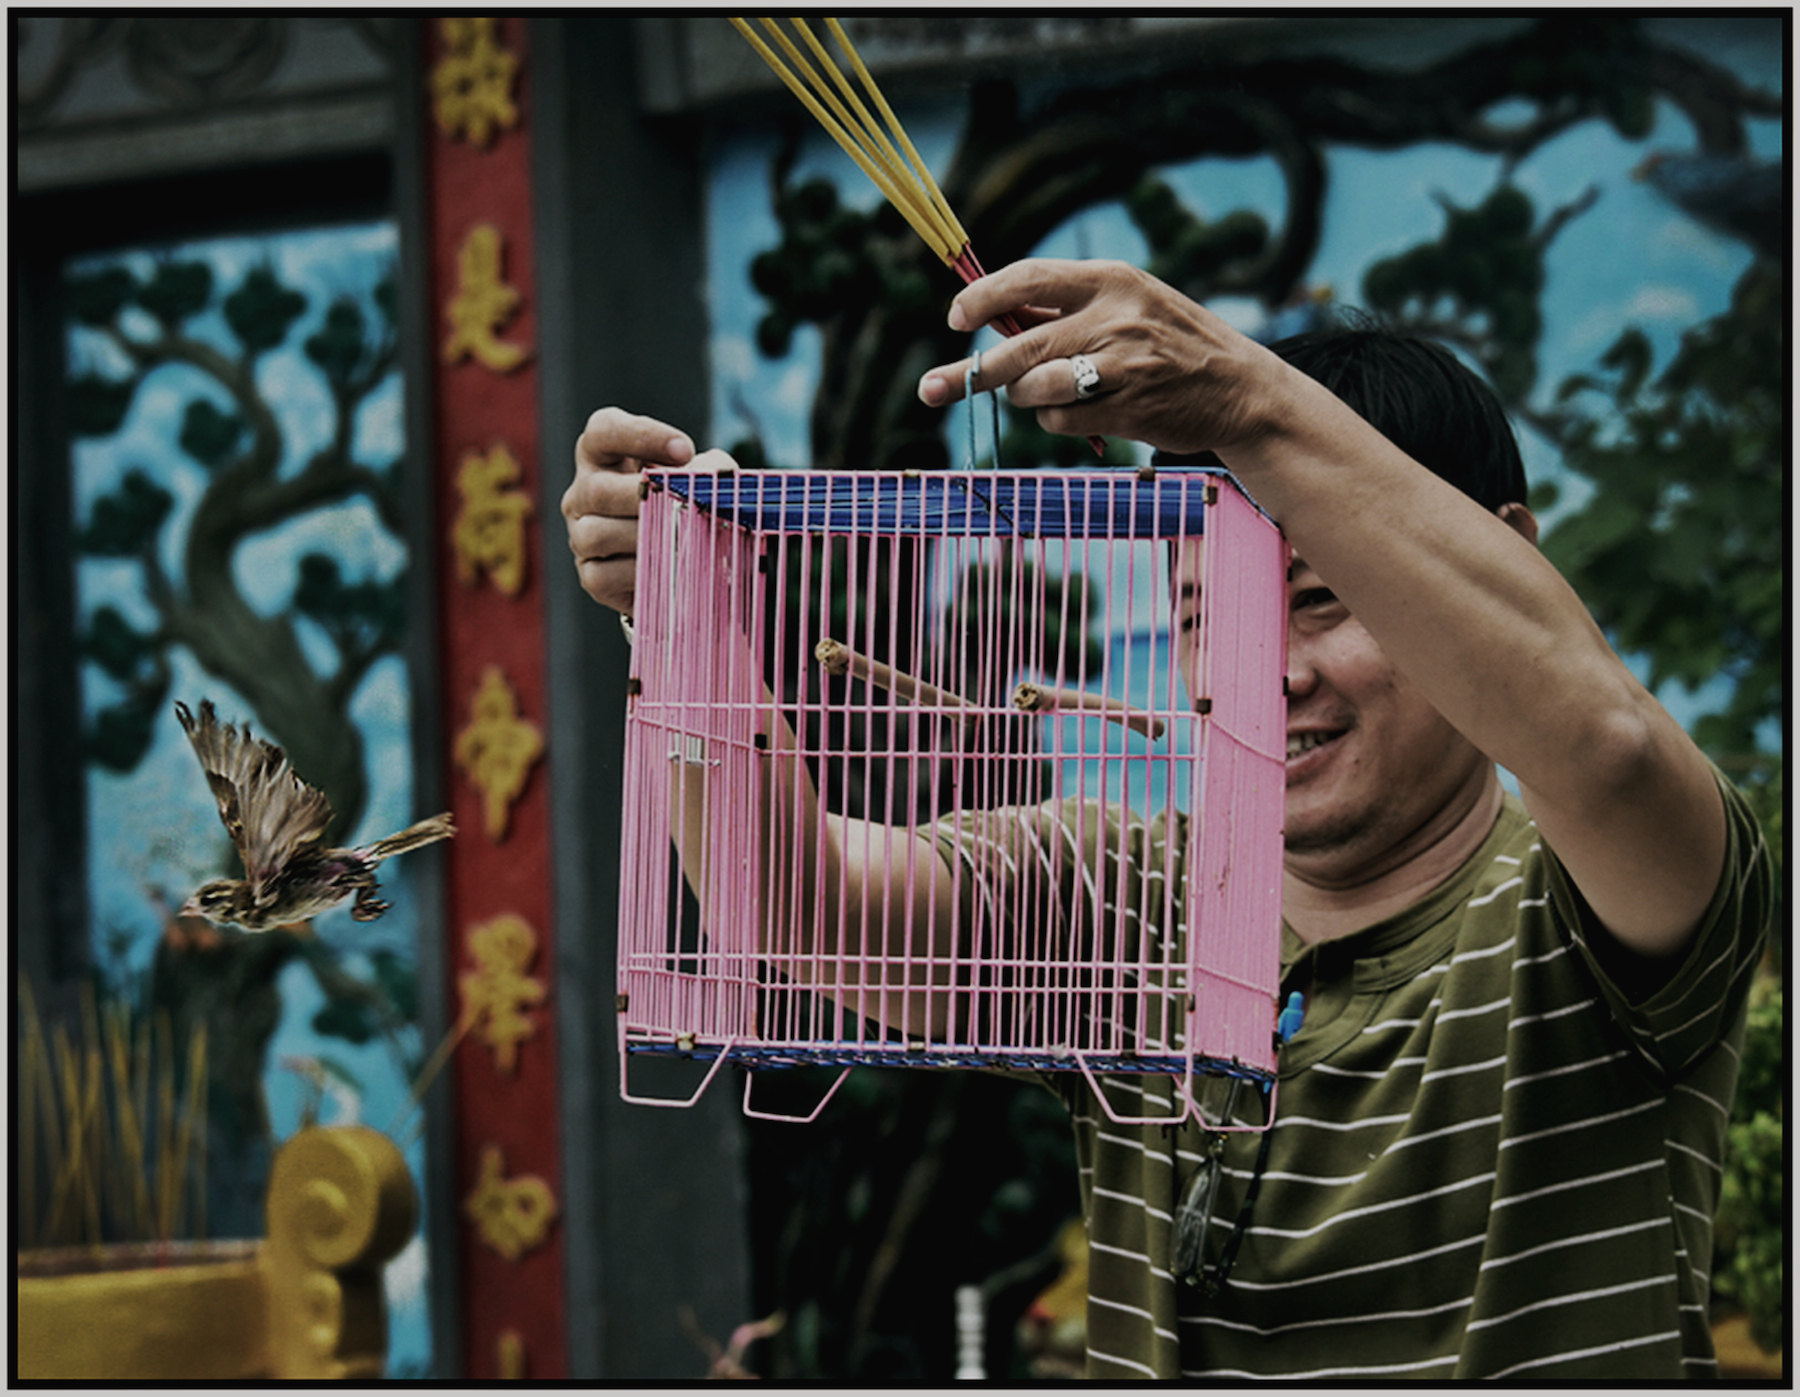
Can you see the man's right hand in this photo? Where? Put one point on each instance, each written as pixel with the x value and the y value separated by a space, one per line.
pixel 600 506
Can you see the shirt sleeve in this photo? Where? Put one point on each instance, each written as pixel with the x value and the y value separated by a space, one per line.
pixel 1678 1019
pixel 1007 863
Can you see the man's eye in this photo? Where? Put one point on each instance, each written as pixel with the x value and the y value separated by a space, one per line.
pixel 1314 597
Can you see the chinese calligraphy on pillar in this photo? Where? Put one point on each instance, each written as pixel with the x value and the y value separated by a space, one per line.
pixel 498 991
pixel 482 305
pixel 494 685
pixel 489 533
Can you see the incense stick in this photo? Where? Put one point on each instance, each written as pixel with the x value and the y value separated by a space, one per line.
pixel 938 200
pixel 897 185
pixel 905 180
pixel 433 1065
pixel 111 1150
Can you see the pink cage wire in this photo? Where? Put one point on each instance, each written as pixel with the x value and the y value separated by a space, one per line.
pixel 934 647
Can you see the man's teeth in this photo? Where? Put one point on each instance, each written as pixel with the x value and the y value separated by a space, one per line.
pixel 1299 742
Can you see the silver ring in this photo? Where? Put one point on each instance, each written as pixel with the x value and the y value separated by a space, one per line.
pixel 1087 377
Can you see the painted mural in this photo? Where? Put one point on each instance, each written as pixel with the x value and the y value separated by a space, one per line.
pixel 236 413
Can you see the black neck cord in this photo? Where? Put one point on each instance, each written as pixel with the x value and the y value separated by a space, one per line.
pixel 1215 1276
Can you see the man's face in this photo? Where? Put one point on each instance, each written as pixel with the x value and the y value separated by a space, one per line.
pixel 1372 768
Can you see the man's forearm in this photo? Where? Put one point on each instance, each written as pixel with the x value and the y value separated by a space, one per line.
pixel 861 911
pixel 1487 630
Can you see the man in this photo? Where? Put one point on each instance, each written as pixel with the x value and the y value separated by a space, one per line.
pixel 1498 1134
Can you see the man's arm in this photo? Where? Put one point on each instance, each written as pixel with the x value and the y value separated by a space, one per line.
pixel 1491 634
pixel 1463 604
pixel 862 911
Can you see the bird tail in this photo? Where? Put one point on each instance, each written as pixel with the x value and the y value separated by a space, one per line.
pixel 412 837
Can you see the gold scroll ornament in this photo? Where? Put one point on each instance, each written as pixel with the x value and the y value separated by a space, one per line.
pixel 511 1215
pixel 497 749
pixel 471 87
pixel 498 991
pixel 489 534
pixel 482 305
pixel 305 1303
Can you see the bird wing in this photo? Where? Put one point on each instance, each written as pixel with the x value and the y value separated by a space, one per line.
pixel 268 811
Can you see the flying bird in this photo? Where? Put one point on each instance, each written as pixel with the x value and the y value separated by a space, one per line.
pixel 277 822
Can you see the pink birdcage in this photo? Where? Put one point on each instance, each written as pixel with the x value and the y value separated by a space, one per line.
pixel 955 654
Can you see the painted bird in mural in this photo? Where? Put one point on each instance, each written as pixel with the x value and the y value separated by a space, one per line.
pixel 277 822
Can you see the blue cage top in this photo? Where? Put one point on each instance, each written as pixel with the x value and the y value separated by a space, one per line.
pixel 1036 504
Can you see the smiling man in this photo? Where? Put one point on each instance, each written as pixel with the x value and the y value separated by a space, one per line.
pixel 1498 1133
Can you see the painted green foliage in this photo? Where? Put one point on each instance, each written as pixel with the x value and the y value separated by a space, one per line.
pixel 229 430
pixel 224 470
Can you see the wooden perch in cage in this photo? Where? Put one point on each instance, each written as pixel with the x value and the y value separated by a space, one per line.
pixel 1041 698
pixel 840 659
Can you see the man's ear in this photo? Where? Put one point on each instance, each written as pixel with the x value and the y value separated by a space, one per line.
pixel 1520 520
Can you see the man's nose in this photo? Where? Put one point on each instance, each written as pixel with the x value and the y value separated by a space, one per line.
pixel 1302 672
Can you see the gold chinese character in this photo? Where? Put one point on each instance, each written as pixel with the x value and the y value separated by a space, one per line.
pixel 483 303
pixel 497 750
pixel 472 83
pixel 509 1356
pixel 489 534
pixel 510 1215
pixel 498 990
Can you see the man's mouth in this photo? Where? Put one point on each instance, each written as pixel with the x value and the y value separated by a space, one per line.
pixel 1300 743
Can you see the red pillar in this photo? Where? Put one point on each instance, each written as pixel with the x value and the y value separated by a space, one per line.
pixel 484 399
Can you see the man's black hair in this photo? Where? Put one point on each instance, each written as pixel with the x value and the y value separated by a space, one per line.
pixel 1421 397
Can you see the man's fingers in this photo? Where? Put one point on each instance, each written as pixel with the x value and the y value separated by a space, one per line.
pixel 1056 383
pixel 1028 367
pixel 714 459
pixel 618 440
pixel 999 366
pixel 605 550
pixel 610 581
pixel 1033 290
pixel 600 536
pixel 944 385
pixel 1041 294
pixel 609 454
pixel 605 492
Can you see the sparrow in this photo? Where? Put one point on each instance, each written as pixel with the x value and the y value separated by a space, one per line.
pixel 277 821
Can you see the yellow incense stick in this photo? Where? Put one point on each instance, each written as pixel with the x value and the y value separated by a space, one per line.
pixel 910 184
pixel 935 237
pixel 868 81
pixel 914 177
pixel 904 179
pixel 30 1069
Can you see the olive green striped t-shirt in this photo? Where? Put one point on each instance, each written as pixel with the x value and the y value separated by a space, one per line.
pixel 1492 1156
